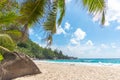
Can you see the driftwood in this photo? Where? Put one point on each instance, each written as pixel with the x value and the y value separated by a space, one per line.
pixel 16 65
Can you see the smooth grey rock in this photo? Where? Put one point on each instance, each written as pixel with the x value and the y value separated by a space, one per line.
pixel 17 65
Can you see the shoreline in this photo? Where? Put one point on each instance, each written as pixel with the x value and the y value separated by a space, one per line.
pixel 78 63
pixel 60 71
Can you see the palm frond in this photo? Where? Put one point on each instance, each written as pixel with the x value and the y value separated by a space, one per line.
pixel 2 2
pixel 8 5
pixel 103 18
pixel 14 34
pixel 61 6
pixel 96 6
pixel 6 42
pixel 31 11
pixel 50 23
pixel 7 18
pixel 49 39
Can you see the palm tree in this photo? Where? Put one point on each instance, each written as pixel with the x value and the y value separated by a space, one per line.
pixel 32 11
pixel 8 12
pixel 46 13
pixel 7 17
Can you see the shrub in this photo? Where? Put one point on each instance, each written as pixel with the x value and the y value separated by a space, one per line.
pixel 6 42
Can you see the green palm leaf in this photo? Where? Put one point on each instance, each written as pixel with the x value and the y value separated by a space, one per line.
pixel 14 34
pixel 31 11
pixel 8 12
pixel 1 57
pixel 6 43
pixel 50 23
pixel 8 5
pixel 61 6
pixel 7 18
pixel 95 7
pixel 103 18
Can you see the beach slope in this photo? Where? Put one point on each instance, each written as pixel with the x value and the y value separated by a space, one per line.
pixel 59 71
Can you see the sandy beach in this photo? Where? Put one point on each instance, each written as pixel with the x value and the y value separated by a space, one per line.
pixel 59 71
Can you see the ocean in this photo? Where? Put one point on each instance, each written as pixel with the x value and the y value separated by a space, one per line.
pixel 89 61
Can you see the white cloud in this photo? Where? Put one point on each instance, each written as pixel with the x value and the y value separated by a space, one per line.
pixel 113 45
pixel 113 11
pixel 73 41
pixel 107 23
pixel 67 26
pixel 118 28
pixel 96 51
pixel 96 17
pixel 64 30
pixel 89 43
pixel 104 46
pixel 60 30
pixel 40 44
pixel 77 36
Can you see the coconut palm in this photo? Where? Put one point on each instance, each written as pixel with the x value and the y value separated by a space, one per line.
pixel 7 16
pixel 46 13
pixel 32 11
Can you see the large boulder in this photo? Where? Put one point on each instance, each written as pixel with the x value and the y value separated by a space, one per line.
pixel 16 65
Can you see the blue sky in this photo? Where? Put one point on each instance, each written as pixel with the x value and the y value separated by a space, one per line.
pixel 81 34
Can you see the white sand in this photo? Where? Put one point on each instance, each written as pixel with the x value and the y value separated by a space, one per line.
pixel 54 71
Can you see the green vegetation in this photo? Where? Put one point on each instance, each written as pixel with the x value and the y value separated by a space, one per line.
pixel 46 12
pixel 16 18
pixel 35 51
pixel 6 45
pixel 6 42
pixel 1 57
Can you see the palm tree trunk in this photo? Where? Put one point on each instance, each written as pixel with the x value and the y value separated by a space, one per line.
pixel 24 32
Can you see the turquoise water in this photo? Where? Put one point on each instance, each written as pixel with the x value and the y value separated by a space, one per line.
pixel 111 60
